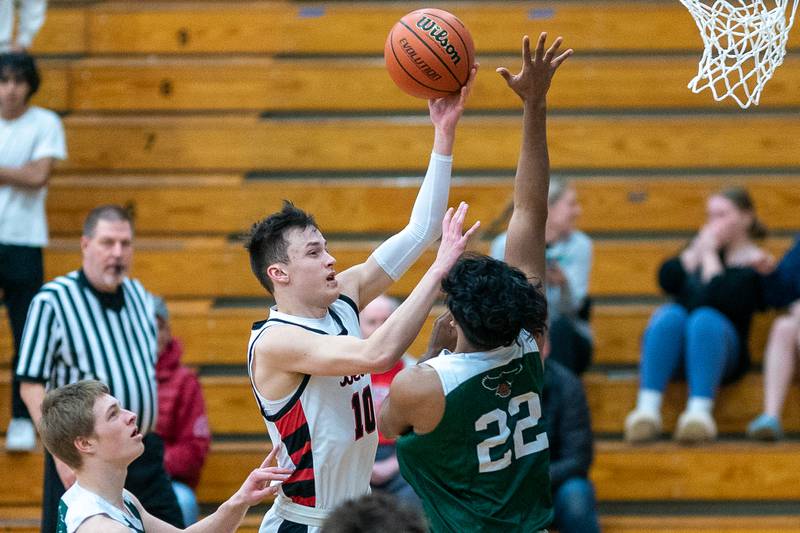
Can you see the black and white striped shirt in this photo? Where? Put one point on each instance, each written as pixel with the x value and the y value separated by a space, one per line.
pixel 74 332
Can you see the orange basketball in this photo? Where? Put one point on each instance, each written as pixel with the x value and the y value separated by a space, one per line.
pixel 429 53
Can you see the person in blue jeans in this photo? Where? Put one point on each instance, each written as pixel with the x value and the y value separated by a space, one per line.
pixel 569 433
pixel 702 334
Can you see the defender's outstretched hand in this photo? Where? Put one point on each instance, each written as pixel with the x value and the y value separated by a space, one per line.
pixel 257 485
pixel 533 81
pixel 454 242
pixel 446 111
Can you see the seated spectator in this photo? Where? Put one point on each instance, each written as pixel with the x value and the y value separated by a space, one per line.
pixel 85 427
pixel 379 512
pixel 782 285
pixel 182 420
pixel 31 17
pixel 779 366
pixel 569 432
pixel 386 471
pixel 703 333
pixel 569 261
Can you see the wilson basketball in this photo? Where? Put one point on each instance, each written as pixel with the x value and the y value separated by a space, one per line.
pixel 429 53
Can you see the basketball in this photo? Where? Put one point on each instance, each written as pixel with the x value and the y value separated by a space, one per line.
pixel 429 53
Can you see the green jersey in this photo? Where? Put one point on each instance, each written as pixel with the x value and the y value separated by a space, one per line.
pixel 486 465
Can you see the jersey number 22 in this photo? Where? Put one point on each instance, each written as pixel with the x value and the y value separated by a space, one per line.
pixel 521 447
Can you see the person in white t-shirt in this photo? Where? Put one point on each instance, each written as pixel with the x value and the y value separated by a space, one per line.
pixel 31 139
pixel 31 18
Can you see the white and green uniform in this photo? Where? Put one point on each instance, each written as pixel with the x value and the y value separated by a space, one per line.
pixel 486 465
pixel 78 505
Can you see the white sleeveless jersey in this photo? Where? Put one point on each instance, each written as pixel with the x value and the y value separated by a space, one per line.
pixel 327 426
pixel 78 505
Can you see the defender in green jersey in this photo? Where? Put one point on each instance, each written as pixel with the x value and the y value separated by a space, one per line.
pixel 472 442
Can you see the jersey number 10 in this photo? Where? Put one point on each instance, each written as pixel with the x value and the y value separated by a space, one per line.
pixel 521 447
pixel 364 412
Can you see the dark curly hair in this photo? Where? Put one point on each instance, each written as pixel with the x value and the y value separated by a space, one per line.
pixel 492 301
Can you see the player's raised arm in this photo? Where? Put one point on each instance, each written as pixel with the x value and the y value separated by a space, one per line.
pixel 525 243
pixel 390 260
pixel 295 350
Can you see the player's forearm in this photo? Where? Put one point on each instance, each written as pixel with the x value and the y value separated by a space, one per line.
pixel 443 140
pixel 226 518
pixel 390 341
pixel 398 253
pixel 526 229
pixel 533 169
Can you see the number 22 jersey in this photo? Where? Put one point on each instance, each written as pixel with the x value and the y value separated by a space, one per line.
pixel 327 426
pixel 485 467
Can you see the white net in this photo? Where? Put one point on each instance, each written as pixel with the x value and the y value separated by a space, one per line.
pixel 744 41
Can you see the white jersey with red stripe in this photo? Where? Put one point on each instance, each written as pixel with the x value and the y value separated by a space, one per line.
pixel 327 427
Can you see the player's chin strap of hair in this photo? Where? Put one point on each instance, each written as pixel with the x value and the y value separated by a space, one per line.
pixel 399 252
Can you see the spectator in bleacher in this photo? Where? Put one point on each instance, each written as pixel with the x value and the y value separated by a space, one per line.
pixel 379 512
pixel 569 261
pixel 96 322
pixel 182 420
pixel 31 17
pixel 87 428
pixel 703 333
pixel 386 470
pixel 569 432
pixel 781 289
pixel 779 365
pixel 31 139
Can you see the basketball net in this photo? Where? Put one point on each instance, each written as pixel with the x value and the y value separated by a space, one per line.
pixel 745 41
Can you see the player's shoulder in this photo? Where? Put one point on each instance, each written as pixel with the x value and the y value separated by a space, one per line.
pixel 415 383
pixel 101 523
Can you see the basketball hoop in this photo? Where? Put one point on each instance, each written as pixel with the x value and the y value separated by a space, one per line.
pixel 744 41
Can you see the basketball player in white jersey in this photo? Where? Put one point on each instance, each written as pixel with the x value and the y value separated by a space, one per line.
pixel 84 426
pixel 308 366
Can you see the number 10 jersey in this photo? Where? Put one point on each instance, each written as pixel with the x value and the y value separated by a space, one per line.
pixel 486 465
pixel 327 426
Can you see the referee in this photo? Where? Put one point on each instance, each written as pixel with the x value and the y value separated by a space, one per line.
pixel 96 323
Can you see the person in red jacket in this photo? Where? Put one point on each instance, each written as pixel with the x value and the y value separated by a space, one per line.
pixel 182 420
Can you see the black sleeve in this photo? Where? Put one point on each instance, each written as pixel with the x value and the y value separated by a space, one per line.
pixel 672 276
pixel 735 291
pixel 575 433
pixel 782 287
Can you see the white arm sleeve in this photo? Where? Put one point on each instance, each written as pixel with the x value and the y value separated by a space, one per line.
pixel 400 251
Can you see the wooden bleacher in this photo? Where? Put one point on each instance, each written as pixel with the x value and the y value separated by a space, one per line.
pixel 219 267
pixel 290 85
pixel 228 203
pixel 203 115
pixel 244 142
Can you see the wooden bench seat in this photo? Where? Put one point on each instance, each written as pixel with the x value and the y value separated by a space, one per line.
pixel 215 335
pixel 226 204
pixel 664 471
pixel 611 397
pixel 239 143
pixel 172 28
pixel 359 84
pixel 216 267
